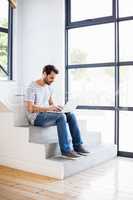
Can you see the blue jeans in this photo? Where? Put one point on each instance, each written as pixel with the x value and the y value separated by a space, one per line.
pixel 46 119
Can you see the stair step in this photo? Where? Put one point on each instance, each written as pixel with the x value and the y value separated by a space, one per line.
pixel 97 155
pixel 49 137
pixel 41 135
pixel 17 152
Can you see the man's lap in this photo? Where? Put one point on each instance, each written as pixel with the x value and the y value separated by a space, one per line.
pixel 47 119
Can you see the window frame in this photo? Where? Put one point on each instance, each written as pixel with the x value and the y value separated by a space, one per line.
pixel 92 21
pixel 9 31
pixel 117 63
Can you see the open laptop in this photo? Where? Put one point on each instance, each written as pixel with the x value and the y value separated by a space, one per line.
pixel 68 107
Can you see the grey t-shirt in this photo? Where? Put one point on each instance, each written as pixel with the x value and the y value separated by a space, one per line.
pixel 39 95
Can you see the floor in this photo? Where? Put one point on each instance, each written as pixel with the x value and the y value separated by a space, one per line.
pixel 112 180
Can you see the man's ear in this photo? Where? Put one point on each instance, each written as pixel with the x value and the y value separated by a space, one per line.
pixel 44 75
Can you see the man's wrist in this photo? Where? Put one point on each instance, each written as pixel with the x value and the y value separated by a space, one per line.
pixel 45 109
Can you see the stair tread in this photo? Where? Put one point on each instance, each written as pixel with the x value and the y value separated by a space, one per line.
pixel 93 150
pixel 99 154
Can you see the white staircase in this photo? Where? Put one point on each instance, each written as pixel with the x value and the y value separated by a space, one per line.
pixel 36 149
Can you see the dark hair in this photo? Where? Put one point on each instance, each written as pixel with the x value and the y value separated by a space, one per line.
pixel 50 68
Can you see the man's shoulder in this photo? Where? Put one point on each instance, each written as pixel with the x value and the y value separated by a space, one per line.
pixel 31 85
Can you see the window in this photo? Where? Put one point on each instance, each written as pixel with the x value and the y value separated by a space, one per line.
pixel 5 41
pixel 99 67
pixel 126 8
pixel 91 44
pixel 88 9
pixel 92 86
pixel 126 86
pixel 126 127
pixel 96 123
pixel 4 13
pixel 126 47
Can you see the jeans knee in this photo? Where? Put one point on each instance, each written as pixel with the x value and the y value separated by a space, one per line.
pixel 70 115
pixel 62 117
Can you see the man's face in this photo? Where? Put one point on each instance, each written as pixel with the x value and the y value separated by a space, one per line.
pixel 48 79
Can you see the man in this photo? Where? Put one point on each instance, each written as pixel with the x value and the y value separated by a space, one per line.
pixel 41 111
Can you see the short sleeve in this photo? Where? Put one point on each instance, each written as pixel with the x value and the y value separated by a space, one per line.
pixel 30 94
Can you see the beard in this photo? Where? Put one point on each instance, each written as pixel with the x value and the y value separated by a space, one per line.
pixel 45 80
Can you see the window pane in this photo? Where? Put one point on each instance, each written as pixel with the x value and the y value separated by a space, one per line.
pixel 126 86
pixel 126 127
pixel 3 50
pixel 125 8
pixel 3 76
pixel 91 44
pixel 88 9
pixel 92 86
pixel 126 40
pixel 4 13
pixel 96 123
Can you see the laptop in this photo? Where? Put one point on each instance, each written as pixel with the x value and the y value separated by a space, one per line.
pixel 68 107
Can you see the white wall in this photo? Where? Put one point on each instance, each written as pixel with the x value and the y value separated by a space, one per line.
pixel 40 40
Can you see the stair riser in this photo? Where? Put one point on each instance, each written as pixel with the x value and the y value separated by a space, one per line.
pixel 92 139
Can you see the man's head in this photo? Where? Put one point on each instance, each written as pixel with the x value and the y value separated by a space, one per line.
pixel 49 73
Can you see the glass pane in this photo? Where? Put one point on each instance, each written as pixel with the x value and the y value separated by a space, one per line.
pixel 3 76
pixel 126 127
pixel 4 13
pixel 126 40
pixel 89 9
pixel 92 86
pixel 92 44
pixel 126 86
pixel 125 8
pixel 96 123
pixel 3 50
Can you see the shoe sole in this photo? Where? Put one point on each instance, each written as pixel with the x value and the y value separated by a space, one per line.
pixel 70 158
pixel 83 154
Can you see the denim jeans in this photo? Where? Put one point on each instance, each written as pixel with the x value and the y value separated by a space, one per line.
pixel 46 119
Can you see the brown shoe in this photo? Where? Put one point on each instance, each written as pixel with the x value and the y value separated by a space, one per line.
pixel 72 155
pixel 81 150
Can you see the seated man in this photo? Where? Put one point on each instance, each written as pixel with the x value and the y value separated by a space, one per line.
pixel 42 112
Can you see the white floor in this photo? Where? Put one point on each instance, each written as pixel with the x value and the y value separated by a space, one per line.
pixel 109 181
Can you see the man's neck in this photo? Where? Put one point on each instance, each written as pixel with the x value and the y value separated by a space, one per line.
pixel 40 82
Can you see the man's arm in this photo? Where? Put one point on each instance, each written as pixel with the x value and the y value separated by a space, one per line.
pixel 31 107
pixel 51 101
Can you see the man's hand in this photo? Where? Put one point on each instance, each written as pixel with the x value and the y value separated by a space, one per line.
pixel 54 108
pixel 61 107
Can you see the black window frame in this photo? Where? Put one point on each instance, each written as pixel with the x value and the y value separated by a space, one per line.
pixel 92 21
pixel 9 31
pixel 117 63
